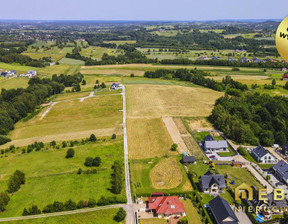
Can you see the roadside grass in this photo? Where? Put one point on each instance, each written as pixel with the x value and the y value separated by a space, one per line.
pixel 50 176
pixel 191 212
pixel 17 82
pixel 142 183
pixel 73 116
pixel 144 101
pixel 166 173
pixel 99 217
pixel 148 138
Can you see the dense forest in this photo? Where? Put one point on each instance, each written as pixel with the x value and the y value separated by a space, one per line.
pixel 253 118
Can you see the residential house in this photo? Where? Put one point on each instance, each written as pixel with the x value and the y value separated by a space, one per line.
pixel 4 74
pixel 222 211
pixel 242 50
pixel 244 60
pixel 262 155
pixel 31 73
pixel 215 58
pixel 188 159
pixel 212 145
pixel 256 60
pixel 212 183
pixel 203 58
pixel 280 171
pixel 285 149
pixel 285 77
pixel 231 59
pixel 284 69
pixel 115 86
pixel 166 206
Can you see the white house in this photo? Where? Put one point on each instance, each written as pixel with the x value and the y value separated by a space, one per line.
pixel 262 155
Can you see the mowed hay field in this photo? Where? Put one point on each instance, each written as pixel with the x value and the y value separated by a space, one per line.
pixel 153 175
pixel 98 217
pixel 166 173
pixel 10 83
pixel 147 138
pixel 160 100
pixel 50 176
pixel 74 119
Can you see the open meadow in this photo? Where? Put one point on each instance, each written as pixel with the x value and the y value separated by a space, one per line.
pixel 11 83
pixel 147 101
pixel 50 176
pixel 72 119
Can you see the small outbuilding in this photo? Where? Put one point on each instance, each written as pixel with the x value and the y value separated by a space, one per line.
pixel 188 159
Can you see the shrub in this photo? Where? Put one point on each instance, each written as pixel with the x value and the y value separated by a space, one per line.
pixel 121 215
pixel 70 205
pixel 174 147
pixel 70 153
pixel 91 203
pixel 242 151
pixel 79 171
pixel 92 138
pixel 113 136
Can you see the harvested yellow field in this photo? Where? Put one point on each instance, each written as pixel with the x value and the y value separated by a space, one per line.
pixel 102 71
pixel 162 100
pixel 147 138
pixel 166 174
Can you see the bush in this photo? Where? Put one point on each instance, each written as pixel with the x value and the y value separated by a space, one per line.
pixel 235 69
pixel 184 220
pixel 70 153
pixel 132 75
pixel 121 215
pixel 174 147
pixel 92 138
pixel 80 204
pixel 242 151
pixel 89 162
pixel 113 136
pixel 79 171
pixel 70 205
pixel 15 181
pixel 4 139
pixel 91 203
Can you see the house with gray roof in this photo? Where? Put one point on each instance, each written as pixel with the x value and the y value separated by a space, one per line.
pixel 222 211
pixel 285 149
pixel 212 183
pixel 262 155
pixel 280 171
pixel 211 145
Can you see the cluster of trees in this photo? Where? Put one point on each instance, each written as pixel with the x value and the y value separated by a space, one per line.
pixel 15 181
pixel 16 104
pixel 197 77
pixel 36 145
pixel 89 161
pixel 68 80
pixel 252 118
pixel 70 153
pixel 12 56
pixel 117 177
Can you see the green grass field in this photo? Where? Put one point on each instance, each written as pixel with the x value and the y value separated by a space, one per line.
pixel 97 217
pixel 71 61
pixel 73 119
pixel 49 176
pixel 10 83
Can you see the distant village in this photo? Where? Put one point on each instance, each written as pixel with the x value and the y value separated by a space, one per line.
pixel 13 73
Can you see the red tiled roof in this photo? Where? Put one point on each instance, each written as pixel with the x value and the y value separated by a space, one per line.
pixel 166 205
pixel 285 76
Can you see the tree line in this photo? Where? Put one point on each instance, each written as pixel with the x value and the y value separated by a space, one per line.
pixel 252 118
pixel 197 77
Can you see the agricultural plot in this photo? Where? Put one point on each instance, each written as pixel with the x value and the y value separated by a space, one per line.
pixel 10 83
pixel 73 119
pixel 71 61
pixel 97 52
pixel 159 100
pixel 153 175
pixel 65 69
pixel 147 138
pixel 98 217
pixel 50 176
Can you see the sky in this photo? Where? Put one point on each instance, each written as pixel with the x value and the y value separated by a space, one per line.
pixel 184 10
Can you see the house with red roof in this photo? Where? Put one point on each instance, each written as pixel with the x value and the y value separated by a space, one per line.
pixel 285 77
pixel 166 206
